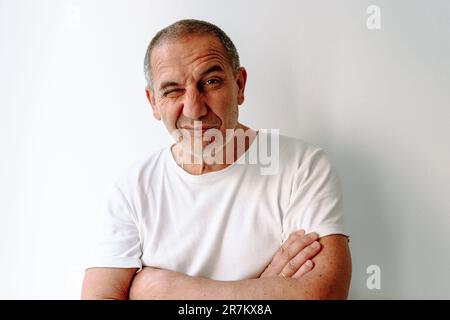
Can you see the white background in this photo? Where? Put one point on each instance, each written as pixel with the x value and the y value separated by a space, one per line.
pixel 73 117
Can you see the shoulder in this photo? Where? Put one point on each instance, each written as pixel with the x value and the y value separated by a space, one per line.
pixel 297 154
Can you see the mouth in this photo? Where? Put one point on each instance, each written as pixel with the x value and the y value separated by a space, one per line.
pixel 198 129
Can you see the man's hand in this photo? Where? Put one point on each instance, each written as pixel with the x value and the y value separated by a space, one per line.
pixel 293 257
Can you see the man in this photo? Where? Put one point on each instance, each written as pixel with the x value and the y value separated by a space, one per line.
pixel 196 223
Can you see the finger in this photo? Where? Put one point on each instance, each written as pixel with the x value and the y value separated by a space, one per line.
pixel 301 258
pixel 306 267
pixel 293 237
pixel 269 270
pixel 285 254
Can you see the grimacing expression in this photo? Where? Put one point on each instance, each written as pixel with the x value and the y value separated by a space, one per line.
pixel 194 81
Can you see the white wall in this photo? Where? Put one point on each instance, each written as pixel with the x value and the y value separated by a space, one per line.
pixel 73 116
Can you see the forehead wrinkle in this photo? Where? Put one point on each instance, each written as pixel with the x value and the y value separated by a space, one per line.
pixel 197 65
pixel 207 61
pixel 191 52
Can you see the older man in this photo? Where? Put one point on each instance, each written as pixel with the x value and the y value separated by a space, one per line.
pixel 198 219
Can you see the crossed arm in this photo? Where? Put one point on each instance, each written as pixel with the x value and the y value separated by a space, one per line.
pixel 299 270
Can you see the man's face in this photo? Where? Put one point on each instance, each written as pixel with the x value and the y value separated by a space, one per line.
pixel 193 81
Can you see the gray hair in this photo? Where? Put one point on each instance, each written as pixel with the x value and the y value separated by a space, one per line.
pixel 188 27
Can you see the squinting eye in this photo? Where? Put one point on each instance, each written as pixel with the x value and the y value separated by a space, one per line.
pixel 173 93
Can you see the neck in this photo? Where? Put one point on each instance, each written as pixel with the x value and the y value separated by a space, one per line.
pixel 230 151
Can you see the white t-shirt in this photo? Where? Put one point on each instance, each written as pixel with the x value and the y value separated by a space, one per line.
pixel 223 225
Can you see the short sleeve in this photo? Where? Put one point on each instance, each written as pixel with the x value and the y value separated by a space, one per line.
pixel 316 203
pixel 118 241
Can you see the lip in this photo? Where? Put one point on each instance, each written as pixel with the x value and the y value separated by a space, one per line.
pixel 198 129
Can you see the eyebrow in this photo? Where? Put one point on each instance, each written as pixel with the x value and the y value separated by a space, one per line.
pixel 214 68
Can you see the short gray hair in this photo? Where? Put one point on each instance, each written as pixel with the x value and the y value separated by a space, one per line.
pixel 188 27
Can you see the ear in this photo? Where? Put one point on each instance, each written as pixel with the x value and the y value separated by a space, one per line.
pixel 241 80
pixel 151 98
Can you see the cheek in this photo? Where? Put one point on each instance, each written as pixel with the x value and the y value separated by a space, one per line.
pixel 169 114
pixel 227 106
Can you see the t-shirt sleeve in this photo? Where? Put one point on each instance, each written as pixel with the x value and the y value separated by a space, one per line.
pixel 316 203
pixel 117 244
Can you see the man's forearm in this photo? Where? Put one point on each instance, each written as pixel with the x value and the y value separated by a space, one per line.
pixel 255 289
pixel 329 279
pixel 173 285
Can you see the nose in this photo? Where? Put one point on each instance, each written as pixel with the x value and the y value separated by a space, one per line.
pixel 193 104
